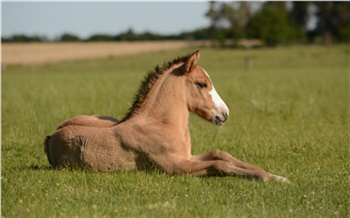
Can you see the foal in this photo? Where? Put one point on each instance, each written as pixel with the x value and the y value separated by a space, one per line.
pixel 155 130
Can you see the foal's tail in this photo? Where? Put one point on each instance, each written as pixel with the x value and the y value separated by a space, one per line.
pixel 47 148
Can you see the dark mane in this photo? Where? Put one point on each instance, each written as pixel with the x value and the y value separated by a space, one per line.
pixel 148 83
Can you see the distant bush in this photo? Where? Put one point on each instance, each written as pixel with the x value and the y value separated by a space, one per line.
pixel 100 37
pixel 67 37
pixel 24 38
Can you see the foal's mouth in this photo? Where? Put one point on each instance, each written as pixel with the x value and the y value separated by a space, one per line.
pixel 219 120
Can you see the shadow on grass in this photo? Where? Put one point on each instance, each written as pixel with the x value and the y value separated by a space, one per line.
pixel 150 171
pixel 40 168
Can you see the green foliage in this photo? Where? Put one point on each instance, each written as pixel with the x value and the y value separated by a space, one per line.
pixel 68 37
pixel 24 38
pixel 270 24
pixel 333 20
pixel 276 23
pixel 289 114
pixel 100 37
pixel 344 33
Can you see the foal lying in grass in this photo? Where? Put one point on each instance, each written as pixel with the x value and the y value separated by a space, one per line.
pixel 155 131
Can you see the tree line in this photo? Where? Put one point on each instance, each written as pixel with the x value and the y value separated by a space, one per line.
pixel 280 22
pixel 129 35
pixel 271 22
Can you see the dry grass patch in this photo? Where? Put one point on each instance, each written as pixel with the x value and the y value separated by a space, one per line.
pixel 39 53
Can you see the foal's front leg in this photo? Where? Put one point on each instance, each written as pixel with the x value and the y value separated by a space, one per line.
pixel 224 156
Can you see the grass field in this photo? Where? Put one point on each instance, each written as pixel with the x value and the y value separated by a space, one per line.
pixel 289 114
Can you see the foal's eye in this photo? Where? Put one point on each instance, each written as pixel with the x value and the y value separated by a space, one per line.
pixel 201 85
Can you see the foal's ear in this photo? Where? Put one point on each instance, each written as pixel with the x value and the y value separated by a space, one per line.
pixel 192 61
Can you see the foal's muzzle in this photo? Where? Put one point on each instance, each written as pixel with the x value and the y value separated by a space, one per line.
pixel 219 118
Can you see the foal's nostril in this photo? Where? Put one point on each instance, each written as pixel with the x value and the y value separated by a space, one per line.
pixel 221 119
pixel 218 121
pixel 225 115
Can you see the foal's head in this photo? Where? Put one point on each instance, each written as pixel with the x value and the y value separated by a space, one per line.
pixel 201 95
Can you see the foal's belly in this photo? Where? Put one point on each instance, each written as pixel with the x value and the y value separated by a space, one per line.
pixel 104 158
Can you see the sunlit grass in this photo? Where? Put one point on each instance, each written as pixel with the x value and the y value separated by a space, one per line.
pixel 289 114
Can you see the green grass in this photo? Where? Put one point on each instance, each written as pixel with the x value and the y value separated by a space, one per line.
pixel 289 114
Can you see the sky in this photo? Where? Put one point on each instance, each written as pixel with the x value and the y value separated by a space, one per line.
pixel 52 19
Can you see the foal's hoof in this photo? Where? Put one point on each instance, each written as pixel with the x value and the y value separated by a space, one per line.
pixel 279 178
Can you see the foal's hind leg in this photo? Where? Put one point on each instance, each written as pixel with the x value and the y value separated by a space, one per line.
pixel 224 156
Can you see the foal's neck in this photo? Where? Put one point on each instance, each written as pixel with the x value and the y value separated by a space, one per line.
pixel 166 101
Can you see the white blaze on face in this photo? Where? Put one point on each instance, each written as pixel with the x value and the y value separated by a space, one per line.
pixel 219 103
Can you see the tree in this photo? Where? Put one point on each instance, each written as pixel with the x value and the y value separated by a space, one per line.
pixel 237 14
pixel 216 33
pixel 100 37
pixel 333 20
pixel 270 24
pixel 298 17
pixel 24 38
pixel 213 15
pixel 67 37
pixel 228 20
pixel 342 13
pixel 129 35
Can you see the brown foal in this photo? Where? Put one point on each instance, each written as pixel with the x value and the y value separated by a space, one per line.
pixel 155 131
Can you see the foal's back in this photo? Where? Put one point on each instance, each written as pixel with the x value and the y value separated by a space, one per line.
pixel 93 121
